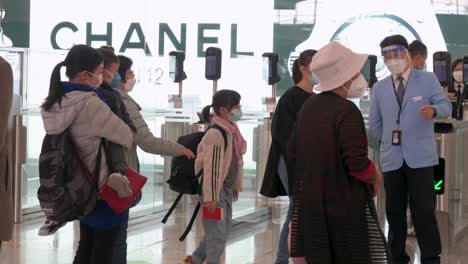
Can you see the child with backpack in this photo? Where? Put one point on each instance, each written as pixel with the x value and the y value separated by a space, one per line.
pixel 77 107
pixel 222 166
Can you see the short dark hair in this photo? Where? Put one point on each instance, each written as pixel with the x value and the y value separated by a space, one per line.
pixel 108 57
pixel 417 48
pixel 456 62
pixel 125 65
pixel 109 47
pixel 222 98
pixel 394 40
pixel 304 60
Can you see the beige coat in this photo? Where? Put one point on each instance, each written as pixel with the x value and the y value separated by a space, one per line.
pixel 6 180
pixel 144 138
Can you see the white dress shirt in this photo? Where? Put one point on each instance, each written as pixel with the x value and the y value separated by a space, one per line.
pixel 405 76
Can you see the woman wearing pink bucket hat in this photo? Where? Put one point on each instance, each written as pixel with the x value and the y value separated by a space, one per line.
pixel 334 218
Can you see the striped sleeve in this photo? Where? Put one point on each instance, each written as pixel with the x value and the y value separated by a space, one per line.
pixel 212 172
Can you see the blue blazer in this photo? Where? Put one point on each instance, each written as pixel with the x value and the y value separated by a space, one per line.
pixel 418 146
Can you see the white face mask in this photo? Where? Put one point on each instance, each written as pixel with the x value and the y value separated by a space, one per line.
pixel 129 85
pixel 396 66
pixel 99 80
pixel 358 88
pixel 458 76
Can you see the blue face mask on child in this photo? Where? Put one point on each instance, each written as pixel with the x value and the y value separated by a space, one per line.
pixel 116 81
pixel 313 79
pixel 236 115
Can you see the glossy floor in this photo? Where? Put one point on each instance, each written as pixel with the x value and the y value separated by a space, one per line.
pixel 151 242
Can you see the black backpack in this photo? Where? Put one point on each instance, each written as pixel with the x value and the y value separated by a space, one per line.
pixel 68 190
pixel 183 179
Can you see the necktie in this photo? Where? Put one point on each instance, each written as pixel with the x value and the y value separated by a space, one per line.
pixel 458 91
pixel 400 90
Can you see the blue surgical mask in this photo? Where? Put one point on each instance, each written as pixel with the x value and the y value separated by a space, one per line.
pixel 314 79
pixel 236 115
pixel 116 81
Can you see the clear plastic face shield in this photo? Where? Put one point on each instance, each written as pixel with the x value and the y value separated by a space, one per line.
pixel 396 58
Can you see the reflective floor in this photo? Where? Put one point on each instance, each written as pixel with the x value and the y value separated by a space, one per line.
pixel 152 242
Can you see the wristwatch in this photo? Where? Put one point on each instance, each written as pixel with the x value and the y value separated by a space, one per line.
pixel 435 112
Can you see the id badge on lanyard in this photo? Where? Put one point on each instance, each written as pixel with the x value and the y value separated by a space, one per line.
pixel 396 137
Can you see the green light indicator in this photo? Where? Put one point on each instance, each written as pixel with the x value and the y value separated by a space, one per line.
pixel 437 186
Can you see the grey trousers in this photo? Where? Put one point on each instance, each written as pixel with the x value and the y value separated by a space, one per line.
pixel 212 247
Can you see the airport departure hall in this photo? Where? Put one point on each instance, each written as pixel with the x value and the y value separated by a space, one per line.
pixel 237 132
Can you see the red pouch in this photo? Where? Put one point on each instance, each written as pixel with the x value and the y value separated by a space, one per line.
pixel 118 204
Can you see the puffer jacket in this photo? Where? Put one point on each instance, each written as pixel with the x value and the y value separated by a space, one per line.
pixel 89 120
pixel 144 138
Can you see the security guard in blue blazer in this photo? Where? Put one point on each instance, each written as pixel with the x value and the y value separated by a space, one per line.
pixel 403 108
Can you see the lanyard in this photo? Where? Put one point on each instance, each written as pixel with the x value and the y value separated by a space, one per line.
pixel 398 101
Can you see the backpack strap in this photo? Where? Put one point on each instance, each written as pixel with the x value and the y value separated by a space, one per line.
pixel 97 168
pixel 192 220
pixel 174 204
pixel 223 133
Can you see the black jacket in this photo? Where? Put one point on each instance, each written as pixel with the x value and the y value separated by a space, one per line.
pixel 116 154
pixel 282 126
pixel 116 104
pixel 454 103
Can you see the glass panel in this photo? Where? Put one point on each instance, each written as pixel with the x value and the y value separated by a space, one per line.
pixel 149 168
pixel 280 209
pixel 30 169
pixel 15 59
pixel 40 66
pixel 156 194
pixel 247 204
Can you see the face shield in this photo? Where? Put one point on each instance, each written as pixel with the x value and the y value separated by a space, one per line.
pixel 396 58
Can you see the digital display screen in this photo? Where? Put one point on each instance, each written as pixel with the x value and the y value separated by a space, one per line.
pixel 211 65
pixel 365 70
pixel 172 67
pixel 266 68
pixel 440 70
pixel 465 72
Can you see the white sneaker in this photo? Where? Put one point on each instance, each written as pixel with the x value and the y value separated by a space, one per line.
pixel 50 227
